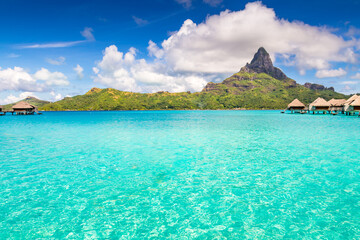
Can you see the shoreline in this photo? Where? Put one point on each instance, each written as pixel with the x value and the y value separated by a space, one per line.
pixel 161 110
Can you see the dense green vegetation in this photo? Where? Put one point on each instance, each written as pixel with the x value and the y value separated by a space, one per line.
pixel 31 100
pixel 243 90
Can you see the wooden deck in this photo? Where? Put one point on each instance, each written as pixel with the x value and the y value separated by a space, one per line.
pixel 3 113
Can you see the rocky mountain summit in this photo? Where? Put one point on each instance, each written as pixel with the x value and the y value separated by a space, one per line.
pixel 259 73
pixel 261 63
pixel 314 86
pixel 258 85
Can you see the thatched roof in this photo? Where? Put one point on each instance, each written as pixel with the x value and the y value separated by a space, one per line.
pixel 356 102
pixel 337 102
pixel 23 105
pixel 296 103
pixel 351 99
pixel 319 102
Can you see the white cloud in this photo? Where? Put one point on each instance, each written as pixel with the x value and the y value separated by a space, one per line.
pixel 87 33
pixel 330 73
pixel 225 42
pixel 348 89
pixel 349 82
pixel 185 3
pixel 213 3
pixel 95 70
pixel 221 46
pixel 139 21
pixel 12 98
pixel 58 61
pixel 18 79
pixel 353 31
pixel 130 56
pixel 52 45
pixel 127 73
pixel 154 50
pixel 356 76
pixel 56 97
pixel 51 78
pixel 79 71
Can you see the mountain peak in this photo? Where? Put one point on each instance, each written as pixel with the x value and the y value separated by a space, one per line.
pixel 94 90
pixel 261 59
pixel 261 63
pixel 31 98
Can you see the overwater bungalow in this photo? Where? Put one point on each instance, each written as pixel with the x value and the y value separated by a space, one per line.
pixel 320 105
pixel 355 105
pixel 24 108
pixel 337 105
pixel 347 106
pixel 296 106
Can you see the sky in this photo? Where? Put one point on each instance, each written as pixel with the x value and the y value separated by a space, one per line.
pixel 59 48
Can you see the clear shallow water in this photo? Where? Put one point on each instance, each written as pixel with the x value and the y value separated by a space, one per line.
pixel 179 175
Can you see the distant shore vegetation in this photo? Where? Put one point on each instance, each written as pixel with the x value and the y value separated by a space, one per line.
pixel 240 91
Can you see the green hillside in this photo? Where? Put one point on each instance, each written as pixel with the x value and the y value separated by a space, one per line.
pixel 261 91
pixel 242 90
pixel 31 100
pixel 258 85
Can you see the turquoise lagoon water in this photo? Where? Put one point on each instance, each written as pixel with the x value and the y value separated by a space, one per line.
pixel 179 175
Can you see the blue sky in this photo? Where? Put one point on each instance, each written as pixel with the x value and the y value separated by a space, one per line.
pixel 53 49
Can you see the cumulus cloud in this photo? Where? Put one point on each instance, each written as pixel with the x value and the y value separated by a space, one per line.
pixel 125 72
pixel 18 79
pixel 79 71
pixel 56 97
pixel 12 98
pixel 356 76
pixel 139 21
pixel 58 61
pixel 220 46
pixel 225 42
pixel 154 50
pixel 51 78
pixel 330 73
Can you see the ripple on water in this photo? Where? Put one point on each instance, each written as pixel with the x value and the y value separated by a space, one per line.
pixel 179 175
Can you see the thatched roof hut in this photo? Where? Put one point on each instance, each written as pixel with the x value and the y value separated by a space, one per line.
pixel 356 104
pixel 23 107
pixel 296 105
pixel 1 108
pixel 337 102
pixel 347 106
pixel 351 99
pixel 319 104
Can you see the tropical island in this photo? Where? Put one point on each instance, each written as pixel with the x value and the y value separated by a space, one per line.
pixel 258 85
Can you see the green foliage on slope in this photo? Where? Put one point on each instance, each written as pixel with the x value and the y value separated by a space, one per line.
pixel 31 100
pixel 242 90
